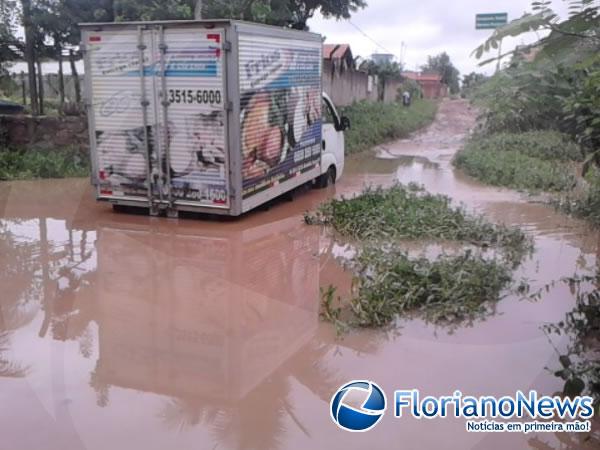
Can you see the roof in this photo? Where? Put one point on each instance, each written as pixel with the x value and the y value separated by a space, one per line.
pixel 335 51
pixel 417 76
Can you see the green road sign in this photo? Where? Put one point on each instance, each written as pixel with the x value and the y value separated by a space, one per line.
pixel 490 21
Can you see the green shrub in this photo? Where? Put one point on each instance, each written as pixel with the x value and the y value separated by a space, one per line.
pixel 410 86
pixel 522 98
pixel 388 282
pixel 521 163
pixel 547 145
pixel 449 290
pixel 402 212
pixel 374 122
pixel 585 204
pixel 60 163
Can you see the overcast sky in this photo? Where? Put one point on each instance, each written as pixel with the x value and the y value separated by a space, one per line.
pixel 427 27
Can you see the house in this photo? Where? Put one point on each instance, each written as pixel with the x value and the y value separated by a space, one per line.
pixel 337 58
pixel 430 83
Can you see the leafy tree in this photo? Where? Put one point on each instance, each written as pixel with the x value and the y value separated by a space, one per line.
pixel 581 29
pixel 385 71
pixel 10 46
pixel 292 13
pixel 473 79
pixel 560 89
pixel 442 65
pixel 152 10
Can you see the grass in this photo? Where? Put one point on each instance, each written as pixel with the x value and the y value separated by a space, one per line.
pixel 584 203
pixel 534 161
pixel 546 145
pixel 449 290
pixel 19 164
pixel 388 282
pixel 408 212
pixel 374 123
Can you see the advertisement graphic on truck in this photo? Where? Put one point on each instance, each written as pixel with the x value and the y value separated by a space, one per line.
pixel 280 86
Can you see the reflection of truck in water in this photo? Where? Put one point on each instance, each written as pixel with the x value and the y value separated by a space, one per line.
pixel 212 315
pixel 207 116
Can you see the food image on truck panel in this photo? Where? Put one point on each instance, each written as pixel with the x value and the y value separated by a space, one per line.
pixel 122 159
pixel 203 145
pixel 275 124
pixel 280 112
pixel 198 160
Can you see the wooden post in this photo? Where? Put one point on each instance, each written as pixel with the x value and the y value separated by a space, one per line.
pixel 40 87
pixel 61 80
pixel 23 88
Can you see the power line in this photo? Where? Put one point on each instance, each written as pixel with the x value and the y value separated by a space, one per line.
pixel 370 38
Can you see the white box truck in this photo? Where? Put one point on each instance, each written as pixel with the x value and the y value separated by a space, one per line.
pixel 212 116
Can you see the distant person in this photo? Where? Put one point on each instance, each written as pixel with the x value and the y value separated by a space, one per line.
pixel 406 98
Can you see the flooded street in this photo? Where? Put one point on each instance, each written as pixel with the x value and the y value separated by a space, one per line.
pixel 206 334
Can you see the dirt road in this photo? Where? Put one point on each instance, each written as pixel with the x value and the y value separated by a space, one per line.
pixel 133 332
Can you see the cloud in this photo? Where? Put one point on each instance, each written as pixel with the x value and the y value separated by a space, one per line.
pixel 426 27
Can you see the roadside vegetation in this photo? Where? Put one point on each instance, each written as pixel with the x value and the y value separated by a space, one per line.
pixel 540 127
pixel 409 212
pixel 578 363
pixel 448 290
pixel 374 123
pixel 17 164
pixel 534 160
pixel 551 86
pixel 388 282
pixel 584 202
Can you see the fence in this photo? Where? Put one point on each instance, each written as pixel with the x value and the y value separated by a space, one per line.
pixel 344 88
pixel 351 86
pixel 18 87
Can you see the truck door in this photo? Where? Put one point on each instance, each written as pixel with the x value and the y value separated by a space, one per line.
pixel 333 139
pixel 123 109
pixel 190 88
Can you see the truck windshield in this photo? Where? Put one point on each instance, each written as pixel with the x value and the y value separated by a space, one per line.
pixel 327 112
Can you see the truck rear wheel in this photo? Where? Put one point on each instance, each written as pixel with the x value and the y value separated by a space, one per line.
pixel 326 179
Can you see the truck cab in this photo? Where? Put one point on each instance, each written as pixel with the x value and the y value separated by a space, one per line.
pixel 332 155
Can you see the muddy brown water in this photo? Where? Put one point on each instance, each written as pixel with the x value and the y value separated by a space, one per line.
pixel 129 332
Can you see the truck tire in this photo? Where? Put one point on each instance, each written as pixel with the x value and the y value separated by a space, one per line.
pixel 326 179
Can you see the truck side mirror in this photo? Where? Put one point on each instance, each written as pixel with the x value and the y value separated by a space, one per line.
pixel 344 123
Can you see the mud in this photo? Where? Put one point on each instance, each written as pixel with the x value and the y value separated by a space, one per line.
pixel 130 332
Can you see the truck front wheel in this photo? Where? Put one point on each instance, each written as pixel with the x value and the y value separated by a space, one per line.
pixel 326 179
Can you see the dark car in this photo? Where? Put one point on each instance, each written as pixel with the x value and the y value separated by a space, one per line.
pixel 7 107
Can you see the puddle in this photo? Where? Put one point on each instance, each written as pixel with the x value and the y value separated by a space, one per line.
pixel 206 335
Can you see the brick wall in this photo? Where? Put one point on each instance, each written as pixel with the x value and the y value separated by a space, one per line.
pixel 350 86
pixel 43 132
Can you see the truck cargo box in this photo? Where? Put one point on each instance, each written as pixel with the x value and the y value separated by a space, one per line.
pixel 208 116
